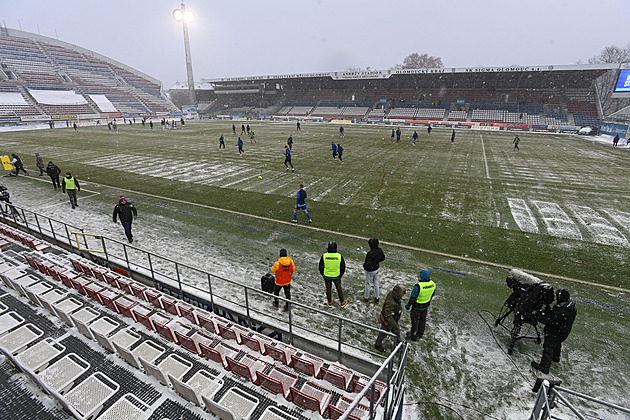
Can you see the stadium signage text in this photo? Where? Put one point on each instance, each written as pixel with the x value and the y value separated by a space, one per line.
pixel 503 69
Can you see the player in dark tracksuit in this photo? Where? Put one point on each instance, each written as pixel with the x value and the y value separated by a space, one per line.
pixel 453 137
pixel 290 142
pixel 239 143
pixel 414 137
pixel 340 152
pixel 221 142
pixel 127 213
pixel 333 147
pixel 287 158
pixel 53 172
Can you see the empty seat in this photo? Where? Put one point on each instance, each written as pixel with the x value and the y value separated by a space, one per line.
pixel 89 396
pixel 9 321
pixel 256 342
pixel 312 397
pixel 142 315
pixel 126 408
pixel 247 367
pixel 39 355
pixel 124 306
pixel 307 363
pixel 148 350
pixel 278 381
pixel 359 384
pixel 19 338
pixel 60 376
pixel 335 411
pixel 337 375
pixel 218 353
pixel 280 352
pixel 235 404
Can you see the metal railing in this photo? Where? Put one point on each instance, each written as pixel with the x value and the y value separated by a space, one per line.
pixel 549 396
pixel 242 303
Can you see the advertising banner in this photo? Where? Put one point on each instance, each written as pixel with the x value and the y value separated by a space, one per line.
pixel 64 117
pixel 35 117
pixel 613 129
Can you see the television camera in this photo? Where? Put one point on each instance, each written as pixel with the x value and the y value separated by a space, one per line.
pixel 530 297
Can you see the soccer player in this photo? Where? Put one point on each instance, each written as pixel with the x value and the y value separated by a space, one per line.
pixel 333 147
pixel 341 131
pixel 301 205
pixel 239 143
pixel 287 158
pixel 290 142
pixel 429 128
pixel 221 142
pixel 516 142
pixel 393 135
pixel 414 137
pixel 453 137
pixel 340 152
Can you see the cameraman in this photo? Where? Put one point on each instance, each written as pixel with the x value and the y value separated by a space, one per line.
pixel 558 322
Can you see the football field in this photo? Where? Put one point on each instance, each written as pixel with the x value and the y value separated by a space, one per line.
pixel 468 211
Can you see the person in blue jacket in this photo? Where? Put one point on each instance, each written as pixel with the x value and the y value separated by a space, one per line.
pixel 453 137
pixel 414 137
pixel 419 302
pixel 333 147
pixel 301 205
pixel 239 143
pixel 287 158
pixel 341 131
pixel 393 135
pixel 340 152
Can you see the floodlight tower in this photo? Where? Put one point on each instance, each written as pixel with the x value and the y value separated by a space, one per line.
pixel 186 16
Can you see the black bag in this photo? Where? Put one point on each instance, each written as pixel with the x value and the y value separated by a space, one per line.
pixel 267 282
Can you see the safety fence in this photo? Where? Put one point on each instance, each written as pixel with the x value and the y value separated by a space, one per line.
pixel 550 396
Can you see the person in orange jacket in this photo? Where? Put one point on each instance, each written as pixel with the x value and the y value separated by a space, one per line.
pixel 283 269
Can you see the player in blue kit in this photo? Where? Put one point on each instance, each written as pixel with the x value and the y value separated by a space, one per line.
pixel 287 158
pixel 301 205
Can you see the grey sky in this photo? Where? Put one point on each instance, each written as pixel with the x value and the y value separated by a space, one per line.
pixel 250 37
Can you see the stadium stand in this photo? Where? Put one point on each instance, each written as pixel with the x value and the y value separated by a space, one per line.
pixel 33 63
pixel 556 96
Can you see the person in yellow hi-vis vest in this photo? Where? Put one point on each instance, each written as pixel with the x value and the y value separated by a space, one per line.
pixel 331 267
pixel 71 184
pixel 420 299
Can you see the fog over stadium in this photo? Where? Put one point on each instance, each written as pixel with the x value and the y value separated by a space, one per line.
pixel 249 37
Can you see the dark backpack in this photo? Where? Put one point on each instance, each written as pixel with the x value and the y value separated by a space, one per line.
pixel 267 282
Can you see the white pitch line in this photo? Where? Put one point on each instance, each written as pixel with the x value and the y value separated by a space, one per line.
pixel 401 246
pixel 485 160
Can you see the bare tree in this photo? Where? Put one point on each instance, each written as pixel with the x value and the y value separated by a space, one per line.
pixel 422 61
pixel 612 54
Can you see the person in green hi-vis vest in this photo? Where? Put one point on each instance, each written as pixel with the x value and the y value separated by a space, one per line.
pixel 331 267
pixel 71 185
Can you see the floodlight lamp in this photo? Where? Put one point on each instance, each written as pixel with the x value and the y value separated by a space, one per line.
pixel 189 16
pixel 178 15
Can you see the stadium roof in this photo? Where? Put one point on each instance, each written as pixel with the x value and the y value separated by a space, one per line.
pixel 384 74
